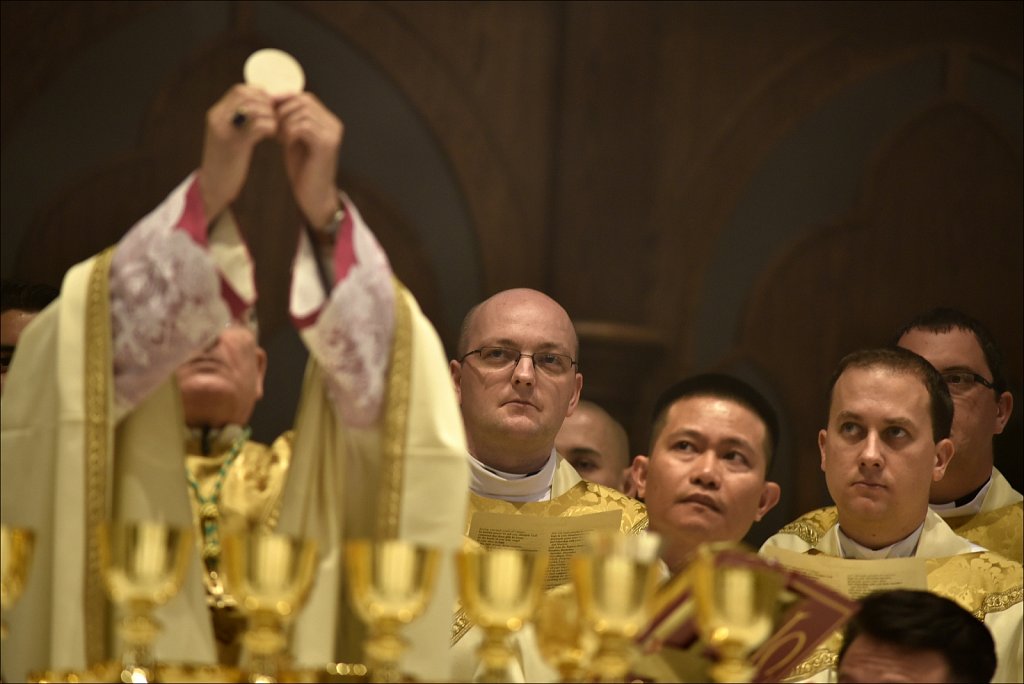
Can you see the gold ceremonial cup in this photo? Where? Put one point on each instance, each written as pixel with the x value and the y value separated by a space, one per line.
pixel 735 610
pixel 500 590
pixel 564 641
pixel 270 576
pixel 143 565
pixel 16 545
pixel 391 583
pixel 616 577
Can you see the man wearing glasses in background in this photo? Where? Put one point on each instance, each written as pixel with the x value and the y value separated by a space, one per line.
pixel 517 378
pixel 974 497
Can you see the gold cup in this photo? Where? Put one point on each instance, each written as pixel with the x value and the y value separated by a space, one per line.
pixel 16 546
pixel 564 641
pixel 270 576
pixel 143 566
pixel 616 577
pixel 391 583
pixel 500 590
pixel 735 610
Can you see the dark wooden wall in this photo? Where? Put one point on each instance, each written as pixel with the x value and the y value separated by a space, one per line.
pixel 754 187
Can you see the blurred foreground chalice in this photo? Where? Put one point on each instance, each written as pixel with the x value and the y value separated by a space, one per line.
pixel 391 583
pixel 735 608
pixel 143 566
pixel 500 590
pixel 16 546
pixel 564 641
pixel 270 576
pixel 616 577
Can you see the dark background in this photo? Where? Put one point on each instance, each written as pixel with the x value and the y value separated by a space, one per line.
pixel 751 187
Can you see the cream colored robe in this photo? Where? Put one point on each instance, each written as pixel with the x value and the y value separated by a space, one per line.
pixel 69 463
pixel 986 584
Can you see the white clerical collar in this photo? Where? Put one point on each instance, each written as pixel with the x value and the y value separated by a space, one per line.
pixel 955 509
pixel 494 484
pixel 904 548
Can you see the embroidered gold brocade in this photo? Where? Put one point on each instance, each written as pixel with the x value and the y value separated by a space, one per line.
pixel 810 527
pixel 97 449
pixel 396 417
pixel 998 530
pixel 584 498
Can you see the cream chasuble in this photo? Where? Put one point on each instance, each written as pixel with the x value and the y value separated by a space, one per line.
pixel 66 468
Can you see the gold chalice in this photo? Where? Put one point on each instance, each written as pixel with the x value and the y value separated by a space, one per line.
pixel 270 576
pixel 616 577
pixel 564 641
pixel 500 590
pixel 735 608
pixel 143 566
pixel 16 545
pixel 391 583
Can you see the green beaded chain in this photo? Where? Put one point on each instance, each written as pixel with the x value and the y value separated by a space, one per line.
pixel 209 513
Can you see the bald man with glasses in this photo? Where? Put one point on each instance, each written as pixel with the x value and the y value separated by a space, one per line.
pixel 517 377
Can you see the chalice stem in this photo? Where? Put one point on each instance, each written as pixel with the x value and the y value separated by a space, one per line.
pixel 495 656
pixel 138 631
pixel 613 659
pixel 265 642
pixel 732 668
pixel 384 651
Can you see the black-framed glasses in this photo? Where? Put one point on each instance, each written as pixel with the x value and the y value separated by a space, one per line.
pixel 503 358
pixel 959 382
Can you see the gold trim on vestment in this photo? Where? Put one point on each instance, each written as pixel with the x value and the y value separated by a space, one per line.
pixel 583 498
pixel 821 659
pixel 998 530
pixel 460 625
pixel 97 450
pixel 981 582
pixel 810 527
pixel 396 416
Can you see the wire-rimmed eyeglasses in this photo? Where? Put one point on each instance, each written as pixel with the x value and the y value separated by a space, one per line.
pixel 959 382
pixel 502 358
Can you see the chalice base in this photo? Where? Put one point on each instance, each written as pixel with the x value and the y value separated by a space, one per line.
pixel 265 642
pixel 495 656
pixel 732 670
pixel 383 653
pixel 613 659
pixel 138 631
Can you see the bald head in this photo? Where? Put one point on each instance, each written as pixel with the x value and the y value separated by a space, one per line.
pixel 505 301
pixel 595 444
pixel 514 400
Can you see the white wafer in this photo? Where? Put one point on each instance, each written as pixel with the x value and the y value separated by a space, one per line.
pixel 275 71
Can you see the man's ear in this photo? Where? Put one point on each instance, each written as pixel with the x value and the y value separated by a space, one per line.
pixel 822 436
pixel 1004 409
pixel 576 395
pixel 639 468
pixel 770 494
pixel 455 368
pixel 944 451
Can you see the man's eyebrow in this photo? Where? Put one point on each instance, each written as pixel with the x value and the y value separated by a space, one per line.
pixel 543 346
pixel 901 421
pixel 738 441
pixel 958 368
pixel 581 451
